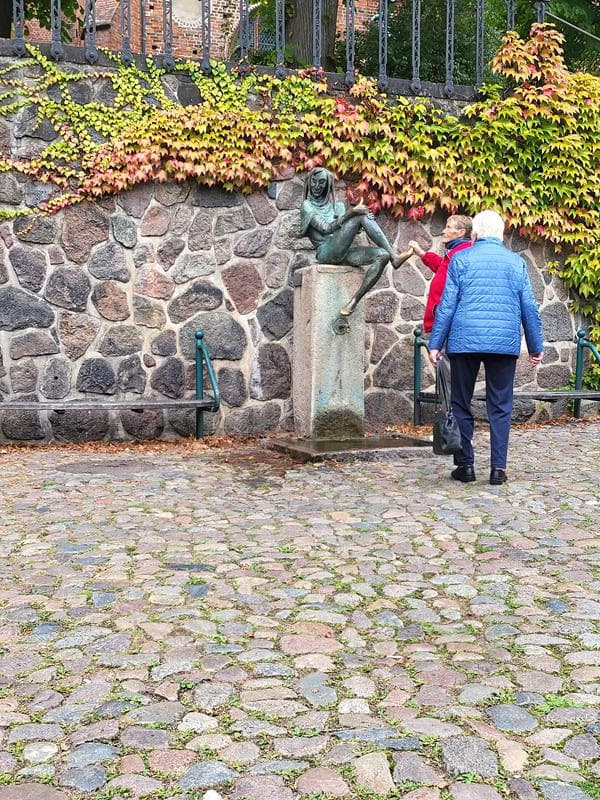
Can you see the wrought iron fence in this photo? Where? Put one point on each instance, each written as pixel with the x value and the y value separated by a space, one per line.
pixel 90 48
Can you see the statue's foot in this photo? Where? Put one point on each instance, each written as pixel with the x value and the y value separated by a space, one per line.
pixel 346 310
pixel 399 258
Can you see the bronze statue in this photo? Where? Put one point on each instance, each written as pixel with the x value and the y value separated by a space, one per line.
pixel 332 230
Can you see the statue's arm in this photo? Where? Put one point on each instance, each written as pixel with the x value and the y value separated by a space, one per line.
pixel 311 219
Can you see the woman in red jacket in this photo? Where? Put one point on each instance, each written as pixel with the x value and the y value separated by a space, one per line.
pixel 455 237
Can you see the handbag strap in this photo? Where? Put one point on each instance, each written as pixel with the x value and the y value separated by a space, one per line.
pixel 441 386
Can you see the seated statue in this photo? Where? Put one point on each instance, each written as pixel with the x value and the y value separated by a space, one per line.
pixel 332 230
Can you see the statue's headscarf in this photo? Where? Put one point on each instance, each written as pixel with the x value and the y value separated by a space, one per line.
pixel 307 216
pixel 329 194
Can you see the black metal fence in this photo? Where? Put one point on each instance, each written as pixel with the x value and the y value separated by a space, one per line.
pixel 90 48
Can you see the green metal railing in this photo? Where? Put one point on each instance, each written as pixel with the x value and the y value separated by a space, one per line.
pixel 420 397
pixel 202 359
pixel 582 343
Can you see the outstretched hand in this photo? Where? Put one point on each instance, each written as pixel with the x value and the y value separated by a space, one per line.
pixel 416 247
pixel 363 211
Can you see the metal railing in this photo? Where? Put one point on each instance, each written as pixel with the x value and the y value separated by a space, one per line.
pixel 169 44
pixel 583 343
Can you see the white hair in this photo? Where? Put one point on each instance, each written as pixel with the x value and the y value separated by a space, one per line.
pixel 488 223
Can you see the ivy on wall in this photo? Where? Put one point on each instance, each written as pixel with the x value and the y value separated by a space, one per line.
pixel 529 148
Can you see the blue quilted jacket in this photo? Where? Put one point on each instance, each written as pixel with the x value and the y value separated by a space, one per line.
pixel 487 298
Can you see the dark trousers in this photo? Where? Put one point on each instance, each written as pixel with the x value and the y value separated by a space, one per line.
pixel 499 378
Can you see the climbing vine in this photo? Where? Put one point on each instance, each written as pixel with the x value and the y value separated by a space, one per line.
pixel 530 147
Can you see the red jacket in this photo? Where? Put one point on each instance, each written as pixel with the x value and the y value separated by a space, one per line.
pixel 439 265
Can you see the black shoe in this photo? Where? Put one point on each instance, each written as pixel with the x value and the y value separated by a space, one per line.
pixel 464 473
pixel 497 476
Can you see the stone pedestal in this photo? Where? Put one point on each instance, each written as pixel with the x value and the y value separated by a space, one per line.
pixel 328 368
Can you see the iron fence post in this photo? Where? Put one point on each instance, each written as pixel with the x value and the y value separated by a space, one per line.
pixel 479 42
pixel 280 38
pixel 416 46
pixel 580 339
pixel 168 60
pixel 244 38
pixel 199 383
pixel 511 6
pixel 317 33
pixel 19 48
pixel 417 375
pixel 56 48
pixel 449 85
pixel 143 27
pixel 383 44
pixel 126 54
pixel 541 6
pixel 89 22
pixel 350 42
pixel 206 68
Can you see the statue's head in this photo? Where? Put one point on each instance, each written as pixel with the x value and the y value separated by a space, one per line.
pixel 319 185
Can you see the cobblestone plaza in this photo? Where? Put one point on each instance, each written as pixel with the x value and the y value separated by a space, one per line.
pixel 180 620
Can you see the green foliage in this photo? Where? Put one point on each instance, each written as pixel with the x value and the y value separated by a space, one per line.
pixel 581 51
pixel 433 40
pixel 39 10
pixel 532 152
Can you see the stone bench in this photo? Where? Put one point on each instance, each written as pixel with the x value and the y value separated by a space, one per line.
pixel 202 402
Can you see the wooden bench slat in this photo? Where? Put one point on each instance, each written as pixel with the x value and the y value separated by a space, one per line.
pixel 104 405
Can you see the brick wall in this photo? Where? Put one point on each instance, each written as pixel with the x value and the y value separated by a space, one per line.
pixel 187 32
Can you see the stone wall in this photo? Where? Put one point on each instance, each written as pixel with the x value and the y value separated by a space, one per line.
pixel 103 300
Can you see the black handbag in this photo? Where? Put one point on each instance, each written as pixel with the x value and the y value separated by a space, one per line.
pixel 446 433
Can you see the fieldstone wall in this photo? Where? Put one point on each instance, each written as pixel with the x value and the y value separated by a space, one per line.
pixel 102 300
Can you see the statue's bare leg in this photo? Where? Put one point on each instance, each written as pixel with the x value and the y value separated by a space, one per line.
pixel 340 242
pixel 376 259
pixel 378 237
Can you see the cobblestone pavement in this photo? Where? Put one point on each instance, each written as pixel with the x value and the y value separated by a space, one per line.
pixel 221 624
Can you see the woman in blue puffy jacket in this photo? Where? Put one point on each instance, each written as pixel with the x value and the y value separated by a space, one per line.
pixel 486 301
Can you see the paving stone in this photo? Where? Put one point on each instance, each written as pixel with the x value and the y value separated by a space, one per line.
pixel 136 785
pixel 163 712
pixel 84 779
pixel 31 791
pixel 412 767
pixel 279 767
pixel 522 789
pixel 372 773
pixel 314 688
pixel 322 779
pixel 468 754
pixel 473 791
pixel 301 747
pixel 171 762
pixel 34 731
pixel 211 695
pixel 508 717
pixel 207 774
pixel 555 790
pixel 265 787
pixel 240 753
pixel 425 793
pixel 145 738
pixel 584 747
pixel 91 753
pixel 39 751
